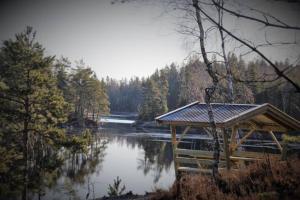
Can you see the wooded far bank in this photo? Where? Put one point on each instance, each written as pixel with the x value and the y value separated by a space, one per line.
pixel 174 86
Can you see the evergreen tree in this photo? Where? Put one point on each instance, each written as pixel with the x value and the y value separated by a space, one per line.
pixel 31 105
pixel 252 76
pixel 89 95
pixel 173 83
pixel 154 103
pixel 61 71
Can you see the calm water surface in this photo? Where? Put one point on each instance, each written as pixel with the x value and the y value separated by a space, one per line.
pixel 142 161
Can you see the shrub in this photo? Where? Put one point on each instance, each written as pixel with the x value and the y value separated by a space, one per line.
pixel 266 180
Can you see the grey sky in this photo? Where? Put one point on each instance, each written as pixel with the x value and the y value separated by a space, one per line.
pixel 121 40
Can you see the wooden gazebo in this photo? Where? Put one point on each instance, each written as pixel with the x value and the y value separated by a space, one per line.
pixel 229 118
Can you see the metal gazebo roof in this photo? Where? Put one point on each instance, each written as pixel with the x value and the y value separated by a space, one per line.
pixel 227 115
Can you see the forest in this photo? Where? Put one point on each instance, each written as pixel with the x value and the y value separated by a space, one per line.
pixel 173 86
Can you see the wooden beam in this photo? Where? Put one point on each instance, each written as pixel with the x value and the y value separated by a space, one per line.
pixel 226 149
pixel 195 170
pixel 284 151
pixel 207 131
pixel 234 130
pixel 264 127
pixel 243 139
pixel 252 154
pixel 174 148
pixel 283 117
pixel 183 134
pixel 186 160
pixel 197 153
pixel 237 158
pixel 276 141
pixel 278 120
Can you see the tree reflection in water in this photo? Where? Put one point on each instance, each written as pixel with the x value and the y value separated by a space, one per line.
pixel 74 167
pixel 157 156
pixel 157 153
pixel 65 173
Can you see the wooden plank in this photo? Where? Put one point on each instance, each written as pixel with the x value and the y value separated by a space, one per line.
pixel 174 147
pixel 251 154
pixel 185 160
pixel 196 153
pixel 195 170
pixel 226 149
pixel 237 158
pixel 276 141
pixel 209 154
pixel 198 170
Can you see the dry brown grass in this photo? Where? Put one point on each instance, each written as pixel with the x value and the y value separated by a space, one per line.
pixel 270 179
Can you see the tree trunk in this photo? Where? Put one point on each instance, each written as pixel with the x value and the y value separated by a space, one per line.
pixel 208 94
pixel 25 150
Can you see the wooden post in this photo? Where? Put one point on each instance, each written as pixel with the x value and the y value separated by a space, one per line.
pixel 233 138
pixel 276 141
pixel 284 151
pixel 226 148
pixel 174 147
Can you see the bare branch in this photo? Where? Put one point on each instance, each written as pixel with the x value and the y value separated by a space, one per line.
pixel 265 22
pixel 253 48
pixel 227 66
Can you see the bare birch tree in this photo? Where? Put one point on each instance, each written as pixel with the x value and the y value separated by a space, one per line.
pixel 209 91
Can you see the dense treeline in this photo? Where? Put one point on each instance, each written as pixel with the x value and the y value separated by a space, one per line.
pixel 38 95
pixel 82 90
pixel 124 95
pixel 174 86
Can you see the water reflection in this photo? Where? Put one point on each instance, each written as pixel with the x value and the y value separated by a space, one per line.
pixel 141 162
pixel 156 155
pixel 79 165
pixel 74 169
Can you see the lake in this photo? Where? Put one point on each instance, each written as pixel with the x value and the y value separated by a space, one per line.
pixel 142 161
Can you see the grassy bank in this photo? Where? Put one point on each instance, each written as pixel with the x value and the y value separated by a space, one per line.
pixel 268 179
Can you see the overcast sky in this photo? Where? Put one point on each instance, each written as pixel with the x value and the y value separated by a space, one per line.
pixel 120 40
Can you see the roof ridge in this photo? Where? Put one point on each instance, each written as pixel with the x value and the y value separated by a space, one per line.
pixel 237 104
pixel 176 110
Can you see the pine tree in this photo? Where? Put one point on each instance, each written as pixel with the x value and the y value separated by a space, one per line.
pixel 155 92
pixel 31 105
